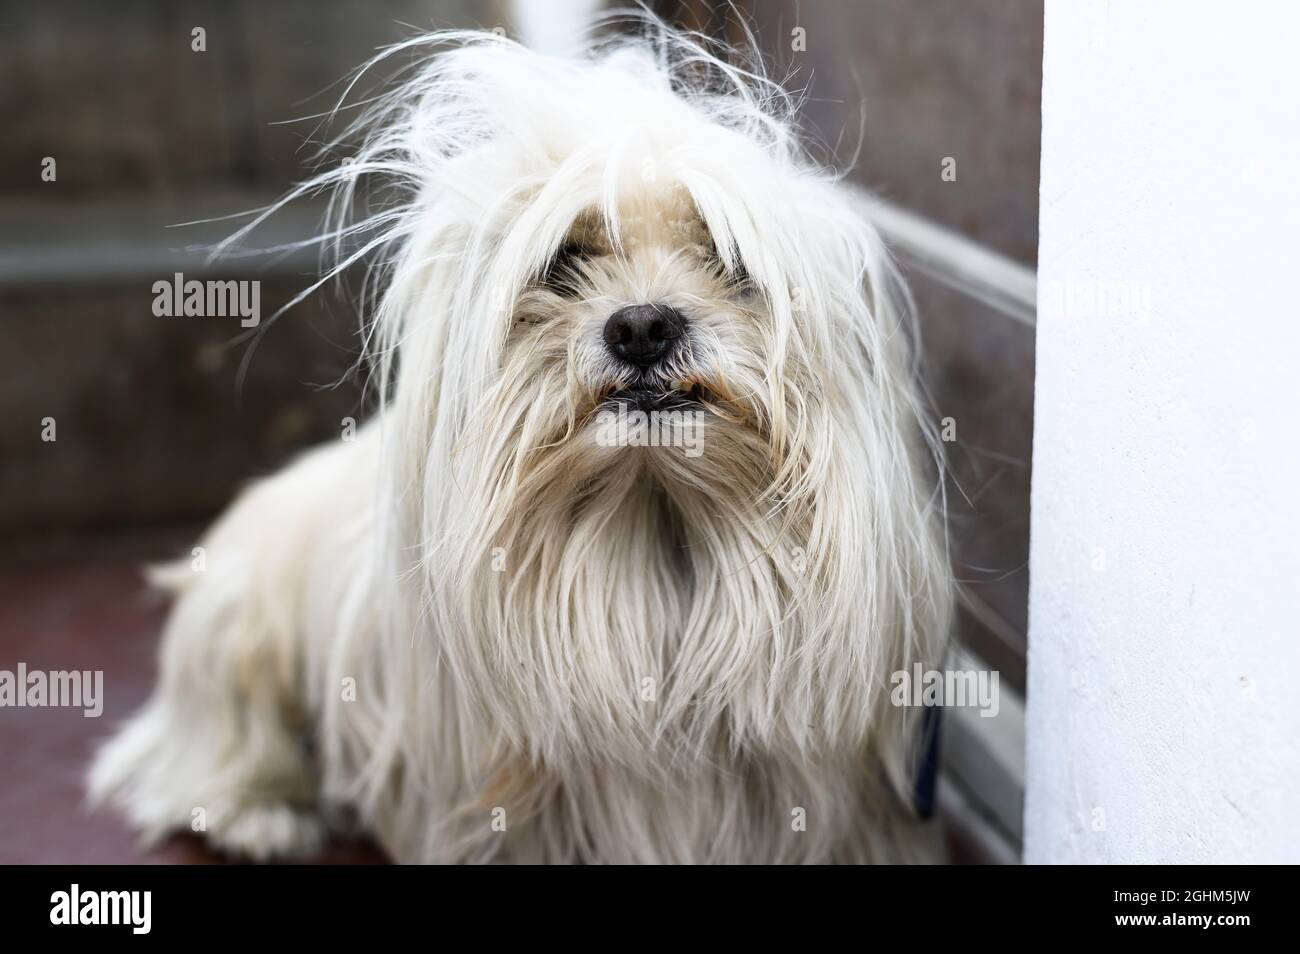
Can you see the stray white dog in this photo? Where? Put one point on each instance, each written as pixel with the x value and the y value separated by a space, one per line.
pixel 484 630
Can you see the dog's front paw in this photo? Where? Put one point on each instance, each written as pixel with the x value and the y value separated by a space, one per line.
pixel 268 831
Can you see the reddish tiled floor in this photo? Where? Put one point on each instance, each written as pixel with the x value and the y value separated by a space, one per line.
pixel 96 616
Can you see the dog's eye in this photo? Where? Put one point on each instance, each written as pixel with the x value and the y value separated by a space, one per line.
pixel 564 268
pixel 738 276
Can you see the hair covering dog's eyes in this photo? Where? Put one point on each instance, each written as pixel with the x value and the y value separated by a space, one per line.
pixel 738 275
pixel 564 268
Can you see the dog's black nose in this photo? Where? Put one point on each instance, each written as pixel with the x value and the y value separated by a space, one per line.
pixel 643 334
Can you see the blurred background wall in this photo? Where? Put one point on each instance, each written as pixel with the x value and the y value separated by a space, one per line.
pixel 147 132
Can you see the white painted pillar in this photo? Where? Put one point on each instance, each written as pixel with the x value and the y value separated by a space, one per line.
pixel 555 27
pixel 1163 716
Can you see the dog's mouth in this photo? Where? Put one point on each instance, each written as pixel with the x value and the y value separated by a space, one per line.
pixel 653 397
pixel 667 395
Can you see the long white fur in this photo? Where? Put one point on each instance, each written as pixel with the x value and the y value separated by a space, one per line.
pixel 618 654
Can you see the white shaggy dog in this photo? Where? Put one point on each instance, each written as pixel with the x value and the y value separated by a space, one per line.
pixel 486 632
